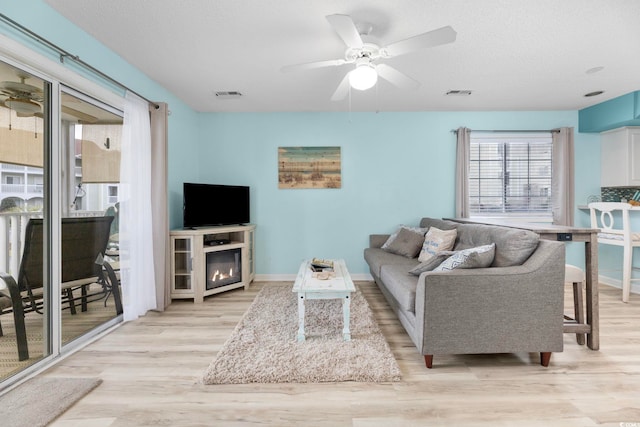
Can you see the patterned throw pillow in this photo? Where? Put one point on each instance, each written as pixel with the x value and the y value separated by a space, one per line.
pixel 479 257
pixel 436 241
pixel 395 235
pixel 429 265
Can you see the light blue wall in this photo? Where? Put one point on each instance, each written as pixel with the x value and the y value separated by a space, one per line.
pixel 396 168
pixel 183 141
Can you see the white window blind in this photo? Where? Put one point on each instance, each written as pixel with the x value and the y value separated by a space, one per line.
pixel 510 174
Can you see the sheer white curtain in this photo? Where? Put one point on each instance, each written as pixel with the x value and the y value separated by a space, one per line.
pixel 136 234
pixel 562 176
pixel 462 172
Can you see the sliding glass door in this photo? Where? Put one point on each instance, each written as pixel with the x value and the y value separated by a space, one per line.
pixel 59 218
pixel 90 134
pixel 25 250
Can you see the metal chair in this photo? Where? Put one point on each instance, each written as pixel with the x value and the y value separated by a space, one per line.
pixel 617 234
pixel 83 243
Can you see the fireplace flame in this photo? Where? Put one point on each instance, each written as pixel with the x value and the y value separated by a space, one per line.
pixel 221 276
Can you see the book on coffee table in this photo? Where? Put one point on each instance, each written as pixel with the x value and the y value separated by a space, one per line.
pixel 318 264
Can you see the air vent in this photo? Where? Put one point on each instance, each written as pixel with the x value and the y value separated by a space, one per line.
pixel 458 93
pixel 595 93
pixel 232 94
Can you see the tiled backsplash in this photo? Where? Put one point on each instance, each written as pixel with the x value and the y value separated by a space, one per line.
pixel 616 194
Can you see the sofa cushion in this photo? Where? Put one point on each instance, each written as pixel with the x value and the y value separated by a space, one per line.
pixel 513 245
pixel 377 257
pixel 401 285
pixel 480 257
pixel 407 243
pixel 436 241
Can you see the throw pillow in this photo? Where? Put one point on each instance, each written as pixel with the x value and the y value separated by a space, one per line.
pixel 436 241
pixel 394 235
pixel 479 257
pixel 429 265
pixel 407 243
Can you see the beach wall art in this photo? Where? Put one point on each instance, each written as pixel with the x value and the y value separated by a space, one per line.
pixel 309 167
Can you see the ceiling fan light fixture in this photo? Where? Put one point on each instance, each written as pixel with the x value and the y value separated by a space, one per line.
pixel 25 107
pixel 363 77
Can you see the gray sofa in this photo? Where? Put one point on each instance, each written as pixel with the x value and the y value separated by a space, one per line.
pixel 514 305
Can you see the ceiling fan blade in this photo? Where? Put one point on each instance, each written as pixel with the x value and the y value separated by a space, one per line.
pixel 433 38
pixel 346 29
pixel 343 89
pixel 396 78
pixel 312 65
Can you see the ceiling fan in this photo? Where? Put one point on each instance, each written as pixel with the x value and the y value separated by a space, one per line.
pixel 367 57
pixel 26 100
pixel 21 97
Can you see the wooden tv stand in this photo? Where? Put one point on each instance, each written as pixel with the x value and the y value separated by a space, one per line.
pixel 189 249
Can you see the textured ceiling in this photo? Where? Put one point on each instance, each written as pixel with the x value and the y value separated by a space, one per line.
pixel 513 54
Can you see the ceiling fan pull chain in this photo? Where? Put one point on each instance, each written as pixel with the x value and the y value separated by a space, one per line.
pixel 377 99
pixel 349 103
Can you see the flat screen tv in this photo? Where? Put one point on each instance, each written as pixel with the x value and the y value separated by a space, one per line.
pixel 210 205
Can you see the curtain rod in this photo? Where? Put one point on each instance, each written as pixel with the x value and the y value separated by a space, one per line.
pixel 64 54
pixel 509 131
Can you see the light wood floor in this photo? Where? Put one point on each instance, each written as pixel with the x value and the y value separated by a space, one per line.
pixel 73 326
pixel 151 370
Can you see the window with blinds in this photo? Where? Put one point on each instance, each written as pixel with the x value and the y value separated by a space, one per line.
pixel 510 174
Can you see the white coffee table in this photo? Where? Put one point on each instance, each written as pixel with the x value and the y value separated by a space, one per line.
pixel 338 287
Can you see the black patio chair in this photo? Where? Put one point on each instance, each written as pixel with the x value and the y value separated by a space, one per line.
pixel 83 243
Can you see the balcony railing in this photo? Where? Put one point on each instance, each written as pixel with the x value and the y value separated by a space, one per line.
pixel 21 170
pixel 34 188
pixel 21 189
pixel 9 167
pixel 12 188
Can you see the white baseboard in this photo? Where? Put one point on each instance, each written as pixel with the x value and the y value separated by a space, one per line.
pixel 292 277
pixel 616 283
pixel 362 277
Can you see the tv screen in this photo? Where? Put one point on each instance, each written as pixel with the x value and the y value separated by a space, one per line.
pixel 210 205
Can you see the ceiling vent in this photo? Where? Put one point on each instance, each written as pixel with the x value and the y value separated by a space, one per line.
pixel 594 93
pixel 458 93
pixel 232 94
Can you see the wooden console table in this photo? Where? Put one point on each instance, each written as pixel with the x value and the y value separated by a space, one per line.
pixel 189 250
pixel 568 234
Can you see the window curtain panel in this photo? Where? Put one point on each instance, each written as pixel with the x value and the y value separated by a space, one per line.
pixel 562 176
pixel 462 172
pixel 160 216
pixel 136 231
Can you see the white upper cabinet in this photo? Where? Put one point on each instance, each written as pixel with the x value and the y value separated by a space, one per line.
pixel 620 154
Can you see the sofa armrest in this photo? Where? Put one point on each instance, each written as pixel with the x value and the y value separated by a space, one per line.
pixel 494 310
pixel 377 240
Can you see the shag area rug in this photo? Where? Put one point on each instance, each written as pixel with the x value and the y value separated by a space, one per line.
pixel 263 346
pixel 41 400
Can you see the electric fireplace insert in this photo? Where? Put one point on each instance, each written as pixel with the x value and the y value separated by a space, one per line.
pixel 223 268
